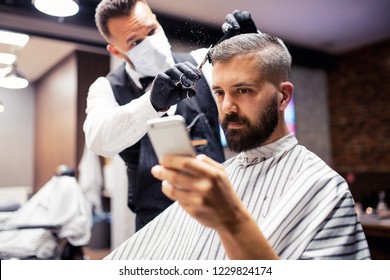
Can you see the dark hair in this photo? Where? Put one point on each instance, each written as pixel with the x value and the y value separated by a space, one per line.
pixel 109 9
pixel 273 56
pixel 64 170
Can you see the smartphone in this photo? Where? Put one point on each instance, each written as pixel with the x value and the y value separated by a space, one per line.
pixel 169 136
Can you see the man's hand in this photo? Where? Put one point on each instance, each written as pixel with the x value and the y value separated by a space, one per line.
pixel 239 22
pixel 173 85
pixel 202 188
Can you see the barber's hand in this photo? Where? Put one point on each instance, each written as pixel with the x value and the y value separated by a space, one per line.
pixel 173 85
pixel 239 22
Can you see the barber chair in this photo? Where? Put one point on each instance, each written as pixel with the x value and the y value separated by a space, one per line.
pixel 55 223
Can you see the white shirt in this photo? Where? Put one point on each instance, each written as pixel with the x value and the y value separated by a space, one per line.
pixel 110 128
pixel 303 207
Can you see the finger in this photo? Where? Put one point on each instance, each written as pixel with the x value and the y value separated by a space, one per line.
pixel 178 191
pixel 210 161
pixel 191 166
pixel 168 190
pixel 185 199
pixel 176 181
pixel 232 21
pixel 179 163
pixel 191 73
pixel 170 175
pixel 174 73
pixel 158 172
pixel 163 79
pixel 173 192
pixel 241 16
pixel 238 15
pixel 246 15
pixel 194 69
pixel 245 21
pixel 226 27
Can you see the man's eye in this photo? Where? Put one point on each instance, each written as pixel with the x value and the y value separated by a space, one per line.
pixel 243 90
pixel 152 32
pixel 218 93
pixel 135 43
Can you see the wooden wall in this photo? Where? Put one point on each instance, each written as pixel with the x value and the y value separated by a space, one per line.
pixel 60 112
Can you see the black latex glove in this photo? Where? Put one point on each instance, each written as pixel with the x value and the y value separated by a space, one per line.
pixel 173 85
pixel 239 22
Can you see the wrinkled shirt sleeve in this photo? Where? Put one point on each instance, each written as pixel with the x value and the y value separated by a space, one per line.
pixel 110 128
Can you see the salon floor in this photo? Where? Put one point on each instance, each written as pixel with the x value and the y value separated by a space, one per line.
pixel 95 254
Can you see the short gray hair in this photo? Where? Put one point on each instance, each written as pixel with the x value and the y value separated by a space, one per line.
pixel 272 54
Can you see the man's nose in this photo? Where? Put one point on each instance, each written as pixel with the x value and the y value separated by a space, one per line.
pixel 228 104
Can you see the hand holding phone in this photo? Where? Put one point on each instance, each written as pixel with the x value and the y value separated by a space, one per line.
pixel 169 136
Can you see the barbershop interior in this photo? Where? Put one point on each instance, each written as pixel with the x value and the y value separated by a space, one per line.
pixel 61 200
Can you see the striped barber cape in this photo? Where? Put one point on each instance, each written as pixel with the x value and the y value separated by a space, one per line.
pixel 60 202
pixel 303 207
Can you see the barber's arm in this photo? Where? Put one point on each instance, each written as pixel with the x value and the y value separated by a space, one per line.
pixel 110 128
pixel 202 188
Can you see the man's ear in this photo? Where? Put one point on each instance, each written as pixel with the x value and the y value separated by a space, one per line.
pixel 287 90
pixel 113 50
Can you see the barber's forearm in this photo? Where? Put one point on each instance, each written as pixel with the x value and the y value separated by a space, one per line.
pixel 110 131
pixel 107 142
pixel 245 241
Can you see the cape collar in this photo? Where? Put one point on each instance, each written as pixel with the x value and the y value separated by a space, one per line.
pixel 265 152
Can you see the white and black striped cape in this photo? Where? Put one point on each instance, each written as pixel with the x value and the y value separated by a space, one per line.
pixel 303 207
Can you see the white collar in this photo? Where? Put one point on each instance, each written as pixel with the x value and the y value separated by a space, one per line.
pixel 134 75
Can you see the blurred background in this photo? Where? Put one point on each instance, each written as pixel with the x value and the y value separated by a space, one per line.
pixel 341 73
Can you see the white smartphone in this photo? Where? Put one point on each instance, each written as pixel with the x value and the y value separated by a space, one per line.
pixel 169 136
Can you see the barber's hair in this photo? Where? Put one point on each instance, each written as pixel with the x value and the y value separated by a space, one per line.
pixel 273 56
pixel 109 9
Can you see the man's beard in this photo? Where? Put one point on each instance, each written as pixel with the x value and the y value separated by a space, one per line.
pixel 251 135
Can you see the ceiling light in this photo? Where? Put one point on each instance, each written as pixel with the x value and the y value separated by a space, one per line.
pixel 13 80
pixel 13 38
pixel 57 8
pixel 7 58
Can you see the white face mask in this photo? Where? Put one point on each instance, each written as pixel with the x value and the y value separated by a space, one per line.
pixel 152 56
